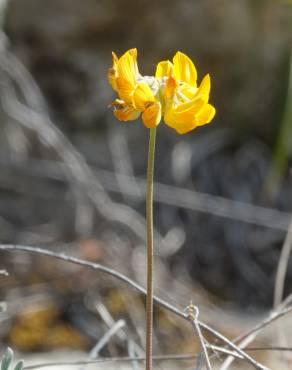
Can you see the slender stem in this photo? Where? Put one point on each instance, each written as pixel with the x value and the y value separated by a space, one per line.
pixel 149 221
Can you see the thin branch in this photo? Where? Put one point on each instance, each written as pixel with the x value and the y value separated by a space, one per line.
pixel 276 348
pixel 155 358
pixel 228 361
pixel 193 316
pixel 106 338
pixel 134 349
pixel 275 315
pixel 245 339
pixel 113 359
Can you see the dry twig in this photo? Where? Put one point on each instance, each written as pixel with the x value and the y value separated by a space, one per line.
pixel 193 316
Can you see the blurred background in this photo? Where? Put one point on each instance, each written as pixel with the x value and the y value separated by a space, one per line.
pixel 72 178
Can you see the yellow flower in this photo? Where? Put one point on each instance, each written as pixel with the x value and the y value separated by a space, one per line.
pixel 173 93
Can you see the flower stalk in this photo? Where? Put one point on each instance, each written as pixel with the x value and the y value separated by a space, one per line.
pixel 149 221
pixel 172 95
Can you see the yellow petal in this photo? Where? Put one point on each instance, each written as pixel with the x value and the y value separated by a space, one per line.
pixel 142 95
pixel 152 115
pixel 133 54
pixel 170 118
pixel 205 115
pixel 111 75
pixel 187 120
pixel 112 72
pixel 204 88
pixel 164 69
pixel 187 91
pixel 184 69
pixel 126 113
pixel 184 129
pixel 127 65
pixel 115 59
pixel 191 107
pixel 192 92
pixel 127 71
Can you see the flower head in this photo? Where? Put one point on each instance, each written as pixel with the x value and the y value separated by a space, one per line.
pixel 173 93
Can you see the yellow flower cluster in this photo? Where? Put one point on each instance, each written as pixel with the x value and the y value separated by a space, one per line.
pixel 173 93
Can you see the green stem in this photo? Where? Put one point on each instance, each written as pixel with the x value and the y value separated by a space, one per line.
pixel 149 221
pixel 281 153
